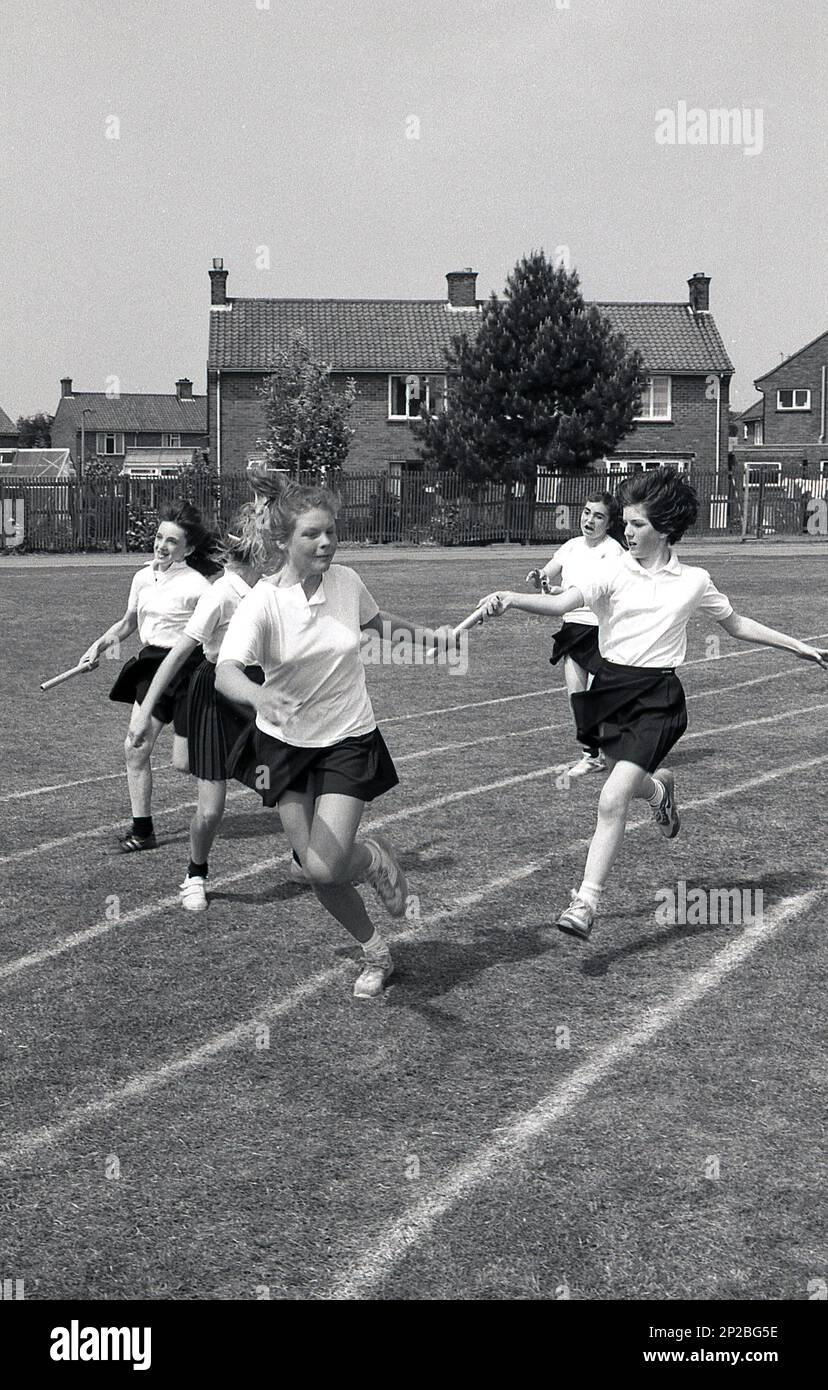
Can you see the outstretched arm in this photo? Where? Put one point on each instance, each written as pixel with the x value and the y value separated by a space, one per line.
pixel 748 630
pixel 546 605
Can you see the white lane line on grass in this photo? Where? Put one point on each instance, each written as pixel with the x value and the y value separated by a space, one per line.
pixel 404 1235
pixel 422 714
pixel 15 856
pixel 80 782
pixel 142 1085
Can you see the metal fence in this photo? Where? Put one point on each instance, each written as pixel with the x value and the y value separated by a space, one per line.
pixel 115 514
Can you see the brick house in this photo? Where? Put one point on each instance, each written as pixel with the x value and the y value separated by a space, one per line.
pixel 115 427
pixel 395 351
pixel 784 435
pixel 9 436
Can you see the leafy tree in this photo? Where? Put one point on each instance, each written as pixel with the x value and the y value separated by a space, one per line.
pixel 307 429
pixel 35 431
pixel 546 381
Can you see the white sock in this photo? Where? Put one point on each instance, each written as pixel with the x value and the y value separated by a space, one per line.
pixel 375 946
pixel 591 893
pixel 658 795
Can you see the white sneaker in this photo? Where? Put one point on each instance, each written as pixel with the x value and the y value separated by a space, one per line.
pixel 374 974
pixel 296 872
pixel 193 893
pixel 588 762
pixel 387 880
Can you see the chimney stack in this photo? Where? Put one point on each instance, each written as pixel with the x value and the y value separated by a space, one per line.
pixel 218 282
pixel 66 386
pixel 184 389
pixel 699 293
pixel 461 290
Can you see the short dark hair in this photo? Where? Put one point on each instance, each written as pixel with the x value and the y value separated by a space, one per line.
pixel 615 521
pixel 668 498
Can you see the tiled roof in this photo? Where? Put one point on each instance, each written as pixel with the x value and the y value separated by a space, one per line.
pixel 134 412
pixel 7 426
pixel 400 335
pixel 755 411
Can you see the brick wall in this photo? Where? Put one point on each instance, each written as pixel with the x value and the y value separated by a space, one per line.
pixel 796 426
pixel 692 428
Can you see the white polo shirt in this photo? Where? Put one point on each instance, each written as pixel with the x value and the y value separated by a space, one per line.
pixel 164 601
pixel 309 651
pixel 643 614
pixel 213 612
pixel 581 563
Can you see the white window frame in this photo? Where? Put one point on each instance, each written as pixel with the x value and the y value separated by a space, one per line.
pixel 794 392
pixel 753 465
pixel 101 437
pixel 623 468
pixel 171 441
pixel 7 457
pixel 433 391
pixel 660 376
pixel 395 472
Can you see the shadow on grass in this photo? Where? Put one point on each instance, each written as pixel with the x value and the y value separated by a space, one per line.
pixel 774 888
pixel 426 970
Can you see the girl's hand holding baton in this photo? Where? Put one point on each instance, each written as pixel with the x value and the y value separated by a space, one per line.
pixel 493 605
pixel 817 654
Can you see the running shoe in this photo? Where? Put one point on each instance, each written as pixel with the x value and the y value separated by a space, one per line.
pixel 666 815
pixel 193 894
pixel 375 972
pixel 296 871
pixel 131 844
pixel 588 762
pixel 387 879
pixel 578 918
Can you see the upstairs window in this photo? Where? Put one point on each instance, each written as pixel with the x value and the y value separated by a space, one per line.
pixel 410 395
pixel 112 444
pixel 656 399
pixel 797 398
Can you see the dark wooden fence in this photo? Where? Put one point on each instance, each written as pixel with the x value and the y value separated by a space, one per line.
pixel 419 507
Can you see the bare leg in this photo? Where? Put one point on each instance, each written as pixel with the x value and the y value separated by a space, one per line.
pixel 323 834
pixel 139 774
pixel 625 783
pixel 205 824
pixel 180 755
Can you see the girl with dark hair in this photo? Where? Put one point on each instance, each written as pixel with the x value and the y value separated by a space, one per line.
pixel 162 598
pixel 635 709
pixel 213 723
pixel 315 750
pixel 584 557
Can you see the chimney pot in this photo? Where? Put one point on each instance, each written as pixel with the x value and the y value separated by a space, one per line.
pixel 184 389
pixel 461 288
pixel 218 281
pixel 66 386
pixel 699 292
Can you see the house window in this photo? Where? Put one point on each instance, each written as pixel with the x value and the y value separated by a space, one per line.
pixel 395 471
pixel 798 398
pixel 7 456
pixel 171 441
pixel 656 399
pixel 109 443
pixel 411 394
pixel 768 473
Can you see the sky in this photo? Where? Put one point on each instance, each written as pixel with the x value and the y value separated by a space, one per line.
pixel 363 149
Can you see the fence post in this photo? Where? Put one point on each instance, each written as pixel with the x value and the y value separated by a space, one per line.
pixel 760 507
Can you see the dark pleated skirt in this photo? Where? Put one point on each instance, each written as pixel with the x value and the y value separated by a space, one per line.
pixel 135 679
pixel 215 723
pixel 633 713
pixel 580 641
pixel 361 767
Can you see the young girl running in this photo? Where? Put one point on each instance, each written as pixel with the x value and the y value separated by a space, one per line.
pixel 635 709
pixel 315 749
pixel 213 723
pixel 585 557
pixel 162 599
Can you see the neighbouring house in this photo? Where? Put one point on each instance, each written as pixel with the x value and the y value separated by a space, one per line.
pixel 121 428
pixel 395 351
pixel 784 440
pixel 9 434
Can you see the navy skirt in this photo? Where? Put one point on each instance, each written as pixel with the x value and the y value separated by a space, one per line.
pixel 580 642
pixel 136 677
pixel 361 767
pixel 215 723
pixel 632 713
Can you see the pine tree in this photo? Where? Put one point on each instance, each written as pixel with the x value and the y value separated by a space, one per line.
pixel 546 381
pixel 307 429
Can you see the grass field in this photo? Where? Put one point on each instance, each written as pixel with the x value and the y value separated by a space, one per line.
pixel 195 1106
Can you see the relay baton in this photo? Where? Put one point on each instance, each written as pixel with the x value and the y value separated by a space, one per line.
pixel 471 621
pixel 79 670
